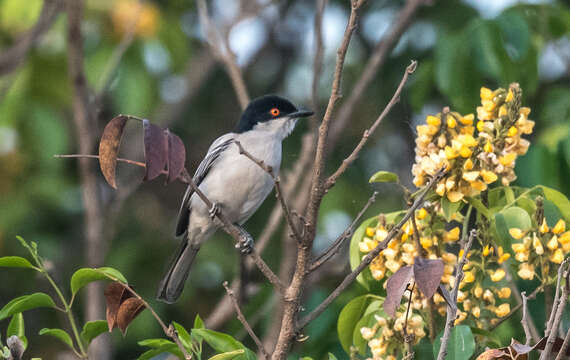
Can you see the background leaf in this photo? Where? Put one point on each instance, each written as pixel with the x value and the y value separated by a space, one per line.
pixel 26 302
pixel 59 334
pixel 92 329
pixel 84 276
pixel 461 343
pixel 16 262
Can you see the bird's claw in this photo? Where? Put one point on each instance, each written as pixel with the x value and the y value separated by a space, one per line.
pixel 245 244
pixel 214 210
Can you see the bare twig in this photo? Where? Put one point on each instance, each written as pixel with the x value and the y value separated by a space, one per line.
pixel 13 57
pixel 127 161
pixel 371 255
pixel 318 60
pixel 169 331
pixel 524 319
pixel 244 322
pixel 558 306
pixel 278 192
pixel 517 307
pixel 367 133
pixel 452 308
pixel 564 348
pixel 336 245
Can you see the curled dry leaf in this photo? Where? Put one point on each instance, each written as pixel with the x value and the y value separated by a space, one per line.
pixel 492 354
pixel 428 275
pixel 155 150
pixel 122 306
pixel 109 148
pixel 176 156
pixel 395 287
pixel 128 311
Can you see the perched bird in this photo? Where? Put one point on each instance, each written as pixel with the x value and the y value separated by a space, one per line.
pixel 232 182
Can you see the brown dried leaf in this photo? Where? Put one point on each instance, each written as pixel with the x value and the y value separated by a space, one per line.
pixel 176 156
pixel 493 354
pixel 155 150
pixel 115 293
pixel 128 311
pixel 109 148
pixel 428 275
pixel 395 287
pixel 555 348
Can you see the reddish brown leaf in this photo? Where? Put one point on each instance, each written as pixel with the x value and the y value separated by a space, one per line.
pixel 176 156
pixel 555 348
pixel 115 294
pixel 493 354
pixel 128 311
pixel 155 150
pixel 109 148
pixel 395 287
pixel 428 275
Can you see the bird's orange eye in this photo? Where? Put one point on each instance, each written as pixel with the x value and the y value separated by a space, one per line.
pixel 274 111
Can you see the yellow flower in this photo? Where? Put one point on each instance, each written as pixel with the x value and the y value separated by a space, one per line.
pixel 510 96
pixel 467 119
pixel 451 122
pixel 426 242
pixel 552 244
pixel 488 146
pixel 478 291
pixel 367 333
pixel 455 196
pixel 518 247
pixel 480 126
pixel 440 189
pixel 557 257
pixel 479 185
pixel 503 258
pixel 433 121
pixel 449 258
pixel 560 227
pixel 468 165
pixel 488 176
pixel 516 233
pixel 486 250
pixel 512 131
pixel 486 93
pixel 468 277
pixel 564 238
pixel 450 153
pixel 537 245
pixel 378 274
pixel 503 111
pixel 507 159
pixel 422 213
pixel 392 265
pixel 370 231
pixel 367 244
pixel 465 152
pixel 498 275
pixel 504 293
pixel 526 271
pixel 476 311
pixel 544 227
pixel 503 310
pixel 452 235
pixel 470 176
pixel 488 296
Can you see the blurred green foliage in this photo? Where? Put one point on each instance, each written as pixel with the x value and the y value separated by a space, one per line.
pixel 459 49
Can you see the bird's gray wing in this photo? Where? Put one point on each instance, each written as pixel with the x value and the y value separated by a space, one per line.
pixel 217 147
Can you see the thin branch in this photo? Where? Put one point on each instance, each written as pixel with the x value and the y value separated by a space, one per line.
pixel 517 307
pixel 564 348
pixel 367 133
pixel 169 331
pixel 128 161
pixel 524 319
pixel 452 308
pixel 336 245
pixel 557 310
pixel 244 322
pixel 278 192
pixel 349 279
pixel 318 60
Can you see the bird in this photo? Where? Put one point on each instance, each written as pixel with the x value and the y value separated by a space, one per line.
pixel 234 184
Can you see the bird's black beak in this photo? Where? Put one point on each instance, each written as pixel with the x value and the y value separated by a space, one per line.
pixel 300 113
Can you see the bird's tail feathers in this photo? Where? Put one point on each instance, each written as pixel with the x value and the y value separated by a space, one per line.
pixel 172 283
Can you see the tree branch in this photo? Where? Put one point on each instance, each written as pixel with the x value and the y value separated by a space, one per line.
pixel 367 133
pixel 558 306
pixel 452 310
pixel 244 322
pixel 524 319
pixel 371 255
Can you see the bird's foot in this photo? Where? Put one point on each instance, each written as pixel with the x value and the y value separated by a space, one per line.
pixel 214 210
pixel 245 244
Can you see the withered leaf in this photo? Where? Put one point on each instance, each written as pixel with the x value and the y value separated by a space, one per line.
pixel 176 156
pixel 395 287
pixel 555 348
pixel 128 311
pixel 115 293
pixel 155 150
pixel 428 275
pixel 109 148
pixel 492 354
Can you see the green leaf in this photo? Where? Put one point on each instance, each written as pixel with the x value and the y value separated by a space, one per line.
pixel 355 255
pixel 155 343
pixel 16 262
pixel 60 334
pixel 449 208
pixel 461 343
pixel 332 357
pixel 349 316
pixel 490 338
pixel 198 323
pixel 92 329
pixel 228 355
pixel 479 206
pixel 84 276
pixel 26 302
pixel 16 327
pixel 223 342
pixel 559 199
pixel 513 217
pixel 384 176
pixel 183 335
pixel 171 348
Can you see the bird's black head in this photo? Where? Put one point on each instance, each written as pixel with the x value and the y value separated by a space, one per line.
pixel 266 108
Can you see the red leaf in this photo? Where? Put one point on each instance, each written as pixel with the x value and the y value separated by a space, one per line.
pixel 128 311
pixel 109 148
pixel 176 156
pixel 395 287
pixel 155 150
pixel 428 275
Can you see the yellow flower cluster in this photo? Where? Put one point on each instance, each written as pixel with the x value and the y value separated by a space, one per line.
pixel 539 247
pixel 449 140
pixel 386 336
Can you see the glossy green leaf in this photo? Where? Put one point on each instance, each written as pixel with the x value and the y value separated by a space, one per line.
pixel 16 262
pixel 384 176
pixel 59 334
pixel 349 316
pixel 228 355
pixel 155 343
pixel 16 327
pixel 84 276
pixel 92 329
pixel 479 206
pixel 461 343
pixel 26 302
pixel 354 253
pixel 223 342
pixel 449 208
pixel 332 357
pixel 183 335
pixel 166 347
pixel 559 199
pixel 198 323
pixel 513 217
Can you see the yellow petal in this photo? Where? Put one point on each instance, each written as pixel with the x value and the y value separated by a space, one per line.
pixel 510 96
pixel 516 233
pixel 454 196
pixel 552 244
pixel 433 121
pixel 451 122
pixel 422 213
pixel 486 93
pixel 488 147
pixel 479 185
pixel 557 257
pixel 488 176
pixel 467 119
pixel 503 310
pixel 470 176
pixel 498 275
pixel 544 227
pixel 507 159
pixel 564 238
pixel 465 152
pixel 560 227
pixel 468 164
pixel 370 231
